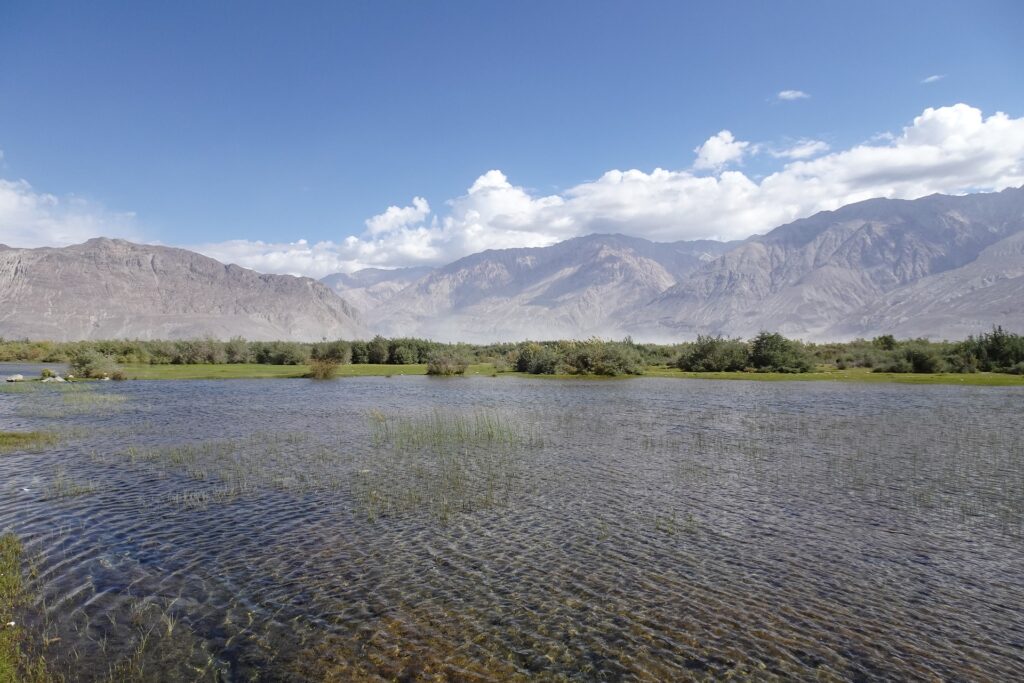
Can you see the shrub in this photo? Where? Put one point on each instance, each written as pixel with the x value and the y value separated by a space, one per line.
pixel 93 364
pixel 47 373
pixel 714 354
pixel 537 359
pixel 596 357
pixel 446 363
pixel 323 368
pixel 771 352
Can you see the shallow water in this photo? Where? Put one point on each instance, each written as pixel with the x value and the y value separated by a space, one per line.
pixel 626 530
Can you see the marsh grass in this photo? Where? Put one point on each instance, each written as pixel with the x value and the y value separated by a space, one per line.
pixel 230 468
pixel 443 463
pixel 26 441
pixel 63 486
pixel 71 399
pixel 17 662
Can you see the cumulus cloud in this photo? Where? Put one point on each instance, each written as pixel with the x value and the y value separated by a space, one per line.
pixel 952 149
pixel 720 150
pixel 933 78
pixel 29 218
pixel 789 95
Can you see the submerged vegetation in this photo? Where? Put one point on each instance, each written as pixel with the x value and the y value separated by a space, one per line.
pixel 25 441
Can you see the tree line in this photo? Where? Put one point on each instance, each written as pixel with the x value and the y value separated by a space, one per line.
pixel 995 351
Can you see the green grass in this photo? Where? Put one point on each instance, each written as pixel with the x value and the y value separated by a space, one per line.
pixel 850 375
pixel 256 371
pixel 25 441
pixel 15 665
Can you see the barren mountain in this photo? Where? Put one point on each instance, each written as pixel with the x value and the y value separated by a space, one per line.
pixel 876 266
pixel 576 288
pixel 366 289
pixel 106 289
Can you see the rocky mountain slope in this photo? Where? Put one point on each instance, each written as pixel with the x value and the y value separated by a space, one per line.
pixel 938 266
pixel 580 287
pixel 106 289
pixel 368 288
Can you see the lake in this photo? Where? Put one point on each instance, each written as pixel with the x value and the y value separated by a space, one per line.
pixel 509 528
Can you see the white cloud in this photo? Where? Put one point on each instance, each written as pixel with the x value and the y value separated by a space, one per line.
pixel 933 78
pixel 719 150
pixel 952 149
pixel 396 217
pixel 35 219
pixel 789 95
pixel 801 149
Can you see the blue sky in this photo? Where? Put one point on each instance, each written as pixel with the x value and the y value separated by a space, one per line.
pixel 200 124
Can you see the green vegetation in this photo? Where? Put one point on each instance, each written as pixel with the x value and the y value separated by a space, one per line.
pixel 446 363
pixel 997 351
pixel 93 364
pixel 16 664
pixel 25 441
pixel 443 463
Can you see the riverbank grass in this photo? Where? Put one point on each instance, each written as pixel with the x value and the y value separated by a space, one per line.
pixel 16 666
pixel 822 373
pixel 25 441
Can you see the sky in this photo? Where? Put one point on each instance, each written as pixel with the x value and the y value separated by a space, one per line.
pixel 311 138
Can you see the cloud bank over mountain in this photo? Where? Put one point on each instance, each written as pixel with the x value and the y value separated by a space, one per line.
pixel 953 149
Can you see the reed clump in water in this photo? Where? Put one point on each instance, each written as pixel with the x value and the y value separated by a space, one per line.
pixel 25 441
pixel 443 463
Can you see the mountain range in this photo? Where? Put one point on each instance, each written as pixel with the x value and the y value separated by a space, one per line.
pixel 939 267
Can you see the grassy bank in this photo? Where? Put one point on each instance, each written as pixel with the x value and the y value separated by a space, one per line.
pixel 15 664
pixel 864 375
pixel 259 371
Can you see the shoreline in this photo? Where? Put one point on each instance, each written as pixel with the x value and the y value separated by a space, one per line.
pixel 857 375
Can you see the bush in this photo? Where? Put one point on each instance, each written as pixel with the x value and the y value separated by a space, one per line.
pixel 771 352
pixel 914 358
pixel 537 359
pixel 92 364
pixel 596 357
pixel 323 368
pixel 47 373
pixel 446 363
pixel 714 354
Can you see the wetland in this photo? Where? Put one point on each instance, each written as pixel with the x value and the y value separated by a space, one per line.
pixel 413 528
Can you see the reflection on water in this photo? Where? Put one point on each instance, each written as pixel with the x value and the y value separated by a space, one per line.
pixel 504 528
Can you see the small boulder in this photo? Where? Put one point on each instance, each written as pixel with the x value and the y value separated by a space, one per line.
pixel 16 378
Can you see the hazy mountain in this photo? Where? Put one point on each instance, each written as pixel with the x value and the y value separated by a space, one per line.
pixel 576 288
pixel 952 304
pixel 939 266
pixel 368 288
pixel 115 289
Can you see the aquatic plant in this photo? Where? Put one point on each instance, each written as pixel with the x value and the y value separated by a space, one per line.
pixel 25 441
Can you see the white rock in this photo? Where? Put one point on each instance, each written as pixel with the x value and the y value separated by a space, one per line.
pixel 16 378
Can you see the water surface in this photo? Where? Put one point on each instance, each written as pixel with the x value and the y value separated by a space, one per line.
pixel 623 530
